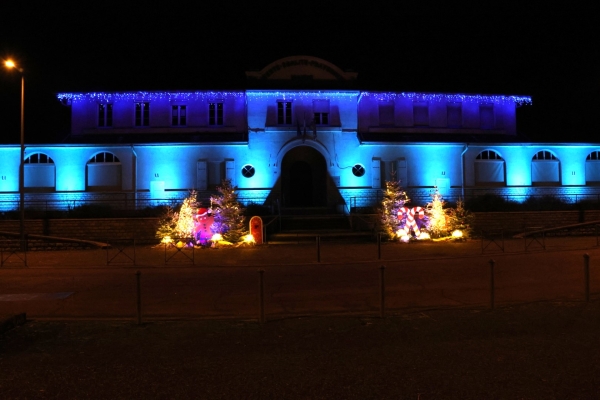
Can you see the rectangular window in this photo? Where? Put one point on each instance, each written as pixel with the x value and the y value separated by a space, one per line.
pixel 386 114
pixel 486 116
pixel 454 114
pixel 284 112
pixel 105 113
pixel 178 116
pixel 421 113
pixel 322 118
pixel 142 114
pixel 321 112
pixel 215 113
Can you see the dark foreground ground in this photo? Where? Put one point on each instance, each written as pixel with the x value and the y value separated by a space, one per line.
pixel 543 350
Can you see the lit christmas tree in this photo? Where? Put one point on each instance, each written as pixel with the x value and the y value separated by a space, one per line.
pixel 178 225
pixel 393 200
pixel 187 212
pixel 229 218
pixel 438 226
pixel 460 218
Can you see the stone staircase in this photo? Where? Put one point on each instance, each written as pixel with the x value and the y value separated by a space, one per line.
pixel 303 225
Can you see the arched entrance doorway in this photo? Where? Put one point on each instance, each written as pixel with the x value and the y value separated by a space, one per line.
pixel 304 178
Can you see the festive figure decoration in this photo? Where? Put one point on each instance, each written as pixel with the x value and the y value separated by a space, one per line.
pixel 256 229
pixel 411 223
pixel 203 221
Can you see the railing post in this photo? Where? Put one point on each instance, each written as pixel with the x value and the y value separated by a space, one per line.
pixel 586 276
pixel 382 291
pixel 492 289
pixel 139 297
pixel 261 296
pixel 318 248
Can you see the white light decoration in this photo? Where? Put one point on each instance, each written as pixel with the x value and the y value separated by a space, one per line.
pixel 423 236
pixel 249 239
pixel 146 96
pixel 457 234
pixel 449 97
pixel 316 94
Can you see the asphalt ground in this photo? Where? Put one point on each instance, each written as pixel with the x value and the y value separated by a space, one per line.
pixel 323 337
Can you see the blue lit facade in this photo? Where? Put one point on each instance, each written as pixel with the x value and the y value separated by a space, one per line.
pixel 298 147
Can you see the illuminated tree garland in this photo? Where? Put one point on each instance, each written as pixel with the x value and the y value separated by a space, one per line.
pixel 393 200
pixel 228 214
pixel 437 215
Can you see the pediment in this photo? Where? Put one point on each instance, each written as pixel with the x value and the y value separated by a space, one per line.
pixel 302 68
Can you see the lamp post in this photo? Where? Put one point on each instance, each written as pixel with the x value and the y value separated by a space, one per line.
pixel 11 65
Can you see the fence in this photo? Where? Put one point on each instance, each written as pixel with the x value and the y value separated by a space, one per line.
pixel 384 282
pixel 351 200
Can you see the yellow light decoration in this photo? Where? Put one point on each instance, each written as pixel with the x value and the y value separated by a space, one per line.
pixel 249 239
pixel 167 240
pixel 457 234
pixel 423 236
pixel 216 237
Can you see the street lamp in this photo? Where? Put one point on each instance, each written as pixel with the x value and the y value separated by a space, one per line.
pixel 11 65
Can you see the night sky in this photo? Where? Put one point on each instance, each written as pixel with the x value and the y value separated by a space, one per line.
pixel 550 54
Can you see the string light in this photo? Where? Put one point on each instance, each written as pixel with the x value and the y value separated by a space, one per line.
pixel 261 94
pixel 298 94
pixel 147 96
pixel 449 97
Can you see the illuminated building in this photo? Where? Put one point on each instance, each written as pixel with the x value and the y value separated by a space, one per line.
pixel 324 145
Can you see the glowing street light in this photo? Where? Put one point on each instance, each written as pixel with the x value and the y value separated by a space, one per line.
pixel 10 64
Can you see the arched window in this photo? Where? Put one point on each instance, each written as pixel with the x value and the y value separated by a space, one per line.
pixel 545 168
pixel 103 172
pixel 40 172
pixel 489 169
pixel 592 168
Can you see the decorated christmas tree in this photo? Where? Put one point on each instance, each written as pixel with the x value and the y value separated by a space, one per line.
pixel 228 214
pixel 393 200
pixel 178 223
pixel 438 225
pixel 460 218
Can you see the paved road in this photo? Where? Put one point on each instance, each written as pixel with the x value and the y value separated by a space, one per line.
pixel 298 279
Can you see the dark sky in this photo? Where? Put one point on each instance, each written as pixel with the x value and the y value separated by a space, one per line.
pixel 550 54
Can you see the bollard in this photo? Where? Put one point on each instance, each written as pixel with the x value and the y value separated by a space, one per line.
pixel 492 263
pixel 318 248
pixel 379 246
pixel 382 290
pixel 139 297
pixel 586 276
pixel 261 296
